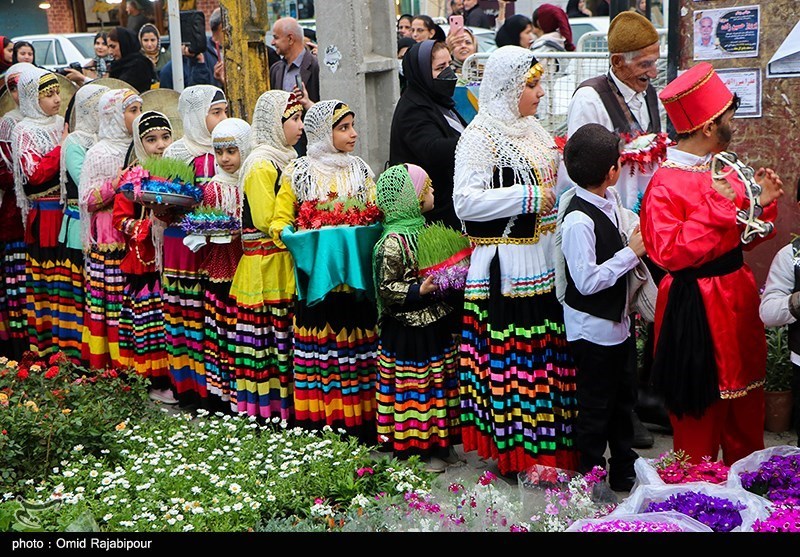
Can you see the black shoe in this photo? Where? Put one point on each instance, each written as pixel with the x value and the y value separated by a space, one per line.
pixel 642 438
pixel 622 484
pixel 650 408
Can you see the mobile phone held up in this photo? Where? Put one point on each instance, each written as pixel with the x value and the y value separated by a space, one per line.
pixel 456 23
pixel 298 81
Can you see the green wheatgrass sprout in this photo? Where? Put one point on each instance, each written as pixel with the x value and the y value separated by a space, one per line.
pixel 347 204
pixel 169 169
pixel 437 242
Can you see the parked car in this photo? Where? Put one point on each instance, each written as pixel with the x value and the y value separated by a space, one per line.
pixel 54 51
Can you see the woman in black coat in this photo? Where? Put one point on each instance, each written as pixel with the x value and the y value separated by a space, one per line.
pixel 130 65
pixel 426 126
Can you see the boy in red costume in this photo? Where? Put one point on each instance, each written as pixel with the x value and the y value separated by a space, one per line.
pixel 710 354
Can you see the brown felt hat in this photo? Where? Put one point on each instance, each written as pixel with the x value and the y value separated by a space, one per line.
pixel 630 32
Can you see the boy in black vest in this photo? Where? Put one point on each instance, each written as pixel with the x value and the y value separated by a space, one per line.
pixel 596 314
pixel 780 305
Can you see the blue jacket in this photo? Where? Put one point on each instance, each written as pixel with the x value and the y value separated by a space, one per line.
pixel 194 73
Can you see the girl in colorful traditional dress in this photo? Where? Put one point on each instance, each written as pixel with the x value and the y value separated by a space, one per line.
pixel 201 108
pixel 231 141
pixel 103 243
pixel 69 281
pixel 335 329
pixel 36 155
pixel 263 287
pixel 13 323
pixel 417 395
pixel 141 322
pixel 516 376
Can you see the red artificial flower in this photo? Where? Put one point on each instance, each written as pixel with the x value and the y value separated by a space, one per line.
pixel 52 372
pixel 22 374
pixel 126 388
pixel 113 373
pixel 5 432
pixel 58 358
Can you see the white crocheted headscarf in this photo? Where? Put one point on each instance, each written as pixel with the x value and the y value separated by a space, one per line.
pixel 268 140
pixel 499 136
pixel 35 135
pixel 193 106
pixel 105 158
pixel 87 121
pixel 13 116
pixel 231 132
pixel 144 124
pixel 325 168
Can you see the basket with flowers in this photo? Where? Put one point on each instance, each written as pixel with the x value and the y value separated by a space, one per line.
pixel 313 215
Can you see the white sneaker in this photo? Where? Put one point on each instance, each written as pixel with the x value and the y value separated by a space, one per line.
pixel 164 396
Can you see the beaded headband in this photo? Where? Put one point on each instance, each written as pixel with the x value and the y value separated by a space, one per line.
pixel 151 122
pixel 225 142
pixel 534 72
pixel 292 106
pixel 48 82
pixel 130 98
pixel 341 113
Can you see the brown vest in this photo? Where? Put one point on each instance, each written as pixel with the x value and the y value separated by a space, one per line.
pixel 621 116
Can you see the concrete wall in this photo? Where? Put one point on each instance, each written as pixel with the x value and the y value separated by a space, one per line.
pixel 21 17
pixel 363 31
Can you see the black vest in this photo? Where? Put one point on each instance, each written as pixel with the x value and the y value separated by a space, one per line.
pixel 609 303
pixel 794 328
pixel 524 225
pixel 621 118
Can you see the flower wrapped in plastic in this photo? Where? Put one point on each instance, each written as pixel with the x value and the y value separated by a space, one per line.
pixel 655 522
pixel 784 518
pixel 773 473
pixel 161 181
pixel 444 254
pixel 721 508
pixel 675 467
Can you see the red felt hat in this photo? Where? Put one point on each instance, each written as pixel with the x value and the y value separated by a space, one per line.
pixel 695 97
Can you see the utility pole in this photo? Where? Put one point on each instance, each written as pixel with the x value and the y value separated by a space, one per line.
pixel 245 54
pixel 358 65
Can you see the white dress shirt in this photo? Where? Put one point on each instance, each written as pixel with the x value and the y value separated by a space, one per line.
pixel 774 308
pixel 578 244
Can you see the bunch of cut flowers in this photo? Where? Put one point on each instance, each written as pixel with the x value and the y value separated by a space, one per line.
pixel 784 518
pixel 718 513
pixel 674 467
pixel 313 215
pixel 776 479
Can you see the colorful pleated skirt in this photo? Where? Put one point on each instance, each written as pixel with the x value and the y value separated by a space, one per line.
pixel 68 286
pixel 182 291
pixel 335 365
pixel 103 304
pixel 141 329
pixel 13 322
pixel 417 395
pixel 517 381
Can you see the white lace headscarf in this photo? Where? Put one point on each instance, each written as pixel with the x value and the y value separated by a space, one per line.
pixel 144 124
pixel 105 158
pixel 36 134
pixel 324 166
pixel 498 136
pixel 268 140
pixel 231 132
pixel 193 106
pixel 13 116
pixel 87 121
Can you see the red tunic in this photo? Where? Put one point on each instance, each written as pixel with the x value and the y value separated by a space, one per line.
pixel 685 223
pixel 10 215
pixel 140 256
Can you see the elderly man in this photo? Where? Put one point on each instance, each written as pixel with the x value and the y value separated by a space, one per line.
pixel 625 101
pixel 296 60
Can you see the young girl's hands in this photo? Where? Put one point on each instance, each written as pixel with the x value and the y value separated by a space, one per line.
pixel 427 286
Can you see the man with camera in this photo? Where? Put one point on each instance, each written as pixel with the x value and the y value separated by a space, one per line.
pixel 201 67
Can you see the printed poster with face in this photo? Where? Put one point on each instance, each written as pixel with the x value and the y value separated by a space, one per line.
pixel 726 33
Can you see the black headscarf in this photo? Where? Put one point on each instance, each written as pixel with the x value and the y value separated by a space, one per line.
pixel 404 42
pixel 133 67
pixel 417 71
pixel 511 29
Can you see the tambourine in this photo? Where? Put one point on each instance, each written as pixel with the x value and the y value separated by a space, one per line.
pixel 722 165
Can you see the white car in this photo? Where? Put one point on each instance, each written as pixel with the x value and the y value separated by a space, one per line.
pixel 54 51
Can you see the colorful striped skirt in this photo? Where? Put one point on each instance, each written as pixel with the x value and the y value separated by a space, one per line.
pixel 13 322
pixel 335 365
pixel 219 331
pixel 41 239
pixel 182 291
pixel 418 401
pixel 141 329
pixel 103 303
pixel 262 360
pixel 68 286
pixel 517 382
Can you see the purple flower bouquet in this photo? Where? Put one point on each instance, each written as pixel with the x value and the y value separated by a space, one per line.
pixel 656 522
pixel 782 519
pixel 719 514
pixel 777 479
